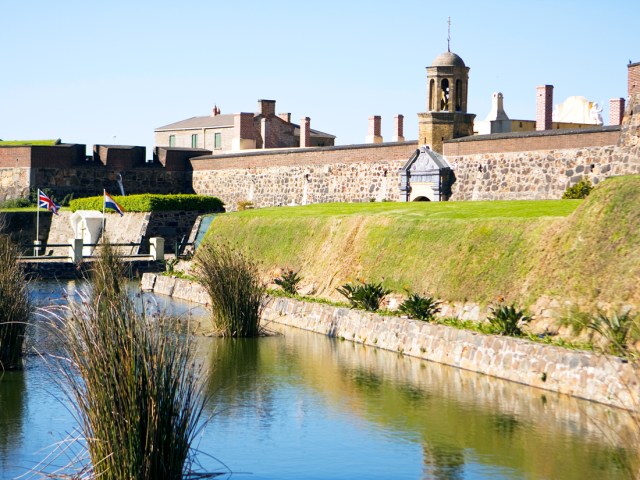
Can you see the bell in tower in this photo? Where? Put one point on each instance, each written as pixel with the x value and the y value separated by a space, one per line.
pixel 446 117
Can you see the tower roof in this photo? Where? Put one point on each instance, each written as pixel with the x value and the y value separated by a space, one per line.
pixel 448 59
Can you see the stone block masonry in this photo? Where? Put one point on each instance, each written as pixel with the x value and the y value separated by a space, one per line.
pixel 599 378
pixel 534 175
pixel 300 177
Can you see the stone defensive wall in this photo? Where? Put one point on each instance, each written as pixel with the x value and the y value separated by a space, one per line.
pixel 542 165
pixel 357 173
pixel 533 175
pixel 520 165
pixel 600 378
pixel 65 168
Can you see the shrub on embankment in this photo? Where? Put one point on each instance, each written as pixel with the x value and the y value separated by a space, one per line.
pixel 584 251
pixel 153 203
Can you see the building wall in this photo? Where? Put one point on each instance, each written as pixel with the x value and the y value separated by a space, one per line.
pixel 206 137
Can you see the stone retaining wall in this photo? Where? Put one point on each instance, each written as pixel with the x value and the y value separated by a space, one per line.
pixel 600 378
pixel 55 270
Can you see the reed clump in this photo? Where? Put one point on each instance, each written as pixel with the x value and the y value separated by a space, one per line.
pixel 134 381
pixel 237 292
pixel 15 306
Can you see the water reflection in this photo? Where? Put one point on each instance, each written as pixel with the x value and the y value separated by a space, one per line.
pixel 12 401
pixel 301 405
pixel 238 384
pixel 455 411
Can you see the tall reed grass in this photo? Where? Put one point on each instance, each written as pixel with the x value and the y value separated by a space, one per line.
pixel 15 306
pixel 134 381
pixel 237 293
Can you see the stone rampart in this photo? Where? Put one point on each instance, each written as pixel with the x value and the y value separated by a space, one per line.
pixel 599 378
pixel 540 174
pixel 302 184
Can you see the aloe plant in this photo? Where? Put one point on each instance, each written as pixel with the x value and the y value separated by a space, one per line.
pixel 419 307
pixel 508 319
pixel 363 295
pixel 615 329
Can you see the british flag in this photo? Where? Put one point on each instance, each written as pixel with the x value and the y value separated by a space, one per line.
pixel 46 202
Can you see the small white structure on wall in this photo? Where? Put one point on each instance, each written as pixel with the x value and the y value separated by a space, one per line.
pixel 576 109
pixel 87 226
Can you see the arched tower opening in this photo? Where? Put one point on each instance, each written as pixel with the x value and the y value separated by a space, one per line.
pixel 444 95
pixel 432 86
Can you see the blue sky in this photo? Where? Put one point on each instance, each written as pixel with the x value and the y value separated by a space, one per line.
pixel 112 71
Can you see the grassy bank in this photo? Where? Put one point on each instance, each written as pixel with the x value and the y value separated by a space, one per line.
pixel 586 251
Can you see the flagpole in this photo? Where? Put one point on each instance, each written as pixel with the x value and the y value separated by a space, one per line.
pixel 36 250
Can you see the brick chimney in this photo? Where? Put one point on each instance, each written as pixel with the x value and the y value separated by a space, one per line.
pixel 616 111
pixel 305 132
pixel 267 107
pixel 633 86
pixel 243 138
pixel 544 107
pixel 285 116
pixel 398 128
pixel 373 135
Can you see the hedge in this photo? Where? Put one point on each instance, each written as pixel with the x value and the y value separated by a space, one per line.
pixel 153 203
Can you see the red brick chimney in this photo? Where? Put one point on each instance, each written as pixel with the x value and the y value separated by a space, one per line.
pixel 373 135
pixel 285 116
pixel 616 111
pixel 267 107
pixel 398 128
pixel 305 132
pixel 633 86
pixel 544 107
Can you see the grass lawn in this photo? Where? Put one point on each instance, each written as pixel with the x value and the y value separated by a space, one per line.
pixel 580 250
pixel 426 210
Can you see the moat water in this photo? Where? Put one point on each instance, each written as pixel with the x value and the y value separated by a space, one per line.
pixel 299 405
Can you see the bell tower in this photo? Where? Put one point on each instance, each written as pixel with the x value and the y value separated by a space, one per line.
pixel 446 116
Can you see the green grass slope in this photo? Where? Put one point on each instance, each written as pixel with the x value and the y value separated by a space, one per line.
pixel 594 254
pixel 586 251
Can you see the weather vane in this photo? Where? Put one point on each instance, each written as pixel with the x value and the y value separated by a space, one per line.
pixel 449 35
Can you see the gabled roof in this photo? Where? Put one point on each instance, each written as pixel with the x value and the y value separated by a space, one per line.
pixel 209 121
pixel 222 121
pixel 424 159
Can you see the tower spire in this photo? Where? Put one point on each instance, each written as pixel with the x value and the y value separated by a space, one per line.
pixel 449 35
